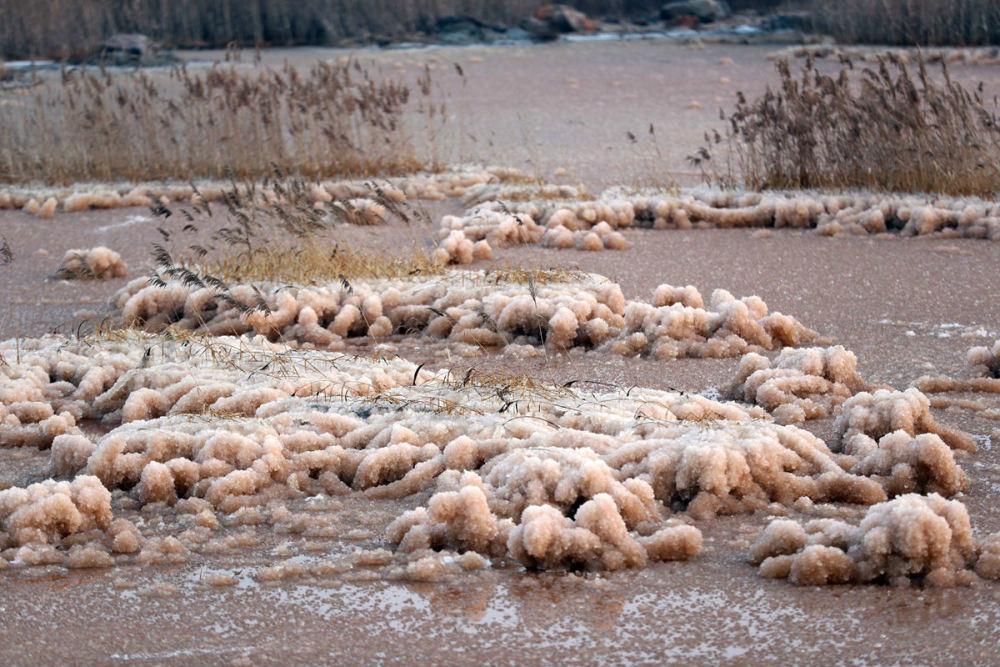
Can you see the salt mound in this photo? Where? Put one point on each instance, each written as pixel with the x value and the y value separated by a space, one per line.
pixel 471 308
pixel 800 384
pixel 46 512
pixel 60 381
pixel 827 214
pixel 726 327
pixel 911 538
pixel 988 565
pixel 501 227
pixel 295 445
pixel 596 537
pixel 981 358
pixel 867 417
pixel 455 182
pixel 92 263
pixel 903 464
pixel 488 192
pixel 987 357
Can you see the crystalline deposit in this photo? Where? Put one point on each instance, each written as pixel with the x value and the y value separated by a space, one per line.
pixel 800 384
pixel 911 538
pixel 472 308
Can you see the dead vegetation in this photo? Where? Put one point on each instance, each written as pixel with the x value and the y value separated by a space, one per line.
pixel 889 127
pixel 336 119
pixel 911 22
pixel 74 28
pixel 280 232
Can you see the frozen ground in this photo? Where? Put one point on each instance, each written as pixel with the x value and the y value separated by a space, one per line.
pixel 906 307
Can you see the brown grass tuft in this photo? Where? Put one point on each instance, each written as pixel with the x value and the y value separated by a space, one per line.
pixel 320 262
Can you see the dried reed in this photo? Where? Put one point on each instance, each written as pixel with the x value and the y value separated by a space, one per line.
pixel 336 119
pixel 891 130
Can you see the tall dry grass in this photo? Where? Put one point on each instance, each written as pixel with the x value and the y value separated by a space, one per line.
pixel 911 22
pixel 274 232
pixel 74 28
pixel 230 120
pixel 891 127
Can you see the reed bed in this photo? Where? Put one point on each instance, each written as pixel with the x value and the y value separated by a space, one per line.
pixel 336 119
pixel 75 28
pixel 890 127
pixel 911 22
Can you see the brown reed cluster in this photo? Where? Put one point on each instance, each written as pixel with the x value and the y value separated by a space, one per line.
pixel 336 119
pixel 891 127
pixel 910 22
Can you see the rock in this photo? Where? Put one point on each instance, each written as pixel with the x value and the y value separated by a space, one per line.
pixel 538 29
pixel 705 11
pixel 551 20
pixel 132 49
pixel 801 21
pixel 133 46
pixel 460 30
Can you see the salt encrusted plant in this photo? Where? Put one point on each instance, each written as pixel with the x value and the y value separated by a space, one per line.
pixel 484 309
pixel 799 384
pixel 910 539
pixel 64 522
pixel 988 357
pixel 980 358
pixel 322 194
pixel 867 417
pixel 98 263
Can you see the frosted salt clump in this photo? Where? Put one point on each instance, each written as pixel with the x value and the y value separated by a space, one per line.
pixel 988 564
pixel 455 182
pixel 910 538
pixel 88 556
pixel 982 358
pixel 563 479
pixel 988 357
pixel 904 464
pixel 70 453
pixel 453 519
pixel 479 309
pixel 680 542
pixel 731 468
pixel 50 510
pixel 48 208
pixel 800 384
pixel 99 262
pixel 667 295
pixel 869 416
pixel 596 537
